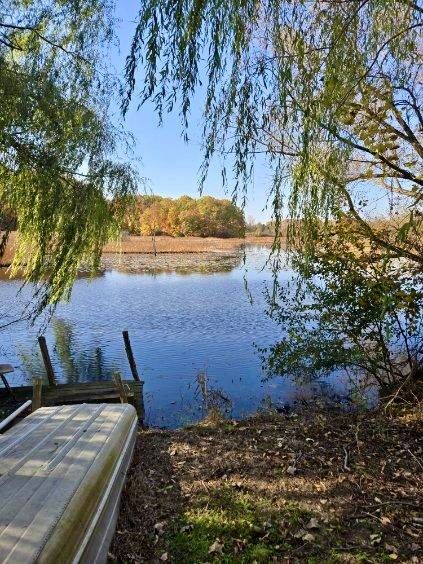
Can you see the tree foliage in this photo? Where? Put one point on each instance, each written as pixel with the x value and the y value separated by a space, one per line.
pixel 329 92
pixel 57 176
pixel 352 310
pixel 185 216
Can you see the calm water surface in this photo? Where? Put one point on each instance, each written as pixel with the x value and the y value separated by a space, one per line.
pixel 179 325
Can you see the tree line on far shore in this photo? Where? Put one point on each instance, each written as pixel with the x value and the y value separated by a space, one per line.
pixel 184 216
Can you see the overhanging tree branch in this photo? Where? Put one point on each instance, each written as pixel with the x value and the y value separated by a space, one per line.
pixel 43 38
pixel 373 236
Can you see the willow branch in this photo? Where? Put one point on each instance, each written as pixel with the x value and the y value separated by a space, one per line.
pixel 375 59
pixel 413 104
pixel 410 134
pixel 373 236
pixel 43 38
pixel 382 176
pixel 406 174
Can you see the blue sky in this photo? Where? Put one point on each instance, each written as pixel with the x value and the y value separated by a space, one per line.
pixel 171 164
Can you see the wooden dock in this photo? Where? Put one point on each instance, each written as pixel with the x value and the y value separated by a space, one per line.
pixel 89 392
pixel 48 392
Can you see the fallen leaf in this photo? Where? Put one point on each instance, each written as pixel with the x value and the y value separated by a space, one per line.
pixel 186 528
pixel 308 537
pixel 375 539
pixel 415 547
pixel 299 534
pixel 159 527
pixel 385 520
pixel 313 524
pixel 216 547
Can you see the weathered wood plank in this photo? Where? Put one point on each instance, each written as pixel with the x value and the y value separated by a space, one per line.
pixel 36 394
pixel 120 388
pixel 86 392
pixel 61 474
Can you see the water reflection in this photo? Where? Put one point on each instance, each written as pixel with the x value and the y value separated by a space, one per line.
pixel 181 263
pixel 73 362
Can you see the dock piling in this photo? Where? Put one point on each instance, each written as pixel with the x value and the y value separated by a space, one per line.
pixel 130 356
pixel 6 369
pixel 121 387
pixel 47 361
pixel 36 393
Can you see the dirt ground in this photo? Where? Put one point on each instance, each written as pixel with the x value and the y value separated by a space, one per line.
pixel 316 488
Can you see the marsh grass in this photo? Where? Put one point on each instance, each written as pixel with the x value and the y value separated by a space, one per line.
pixel 164 244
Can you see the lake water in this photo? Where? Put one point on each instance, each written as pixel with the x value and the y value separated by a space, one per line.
pixel 179 325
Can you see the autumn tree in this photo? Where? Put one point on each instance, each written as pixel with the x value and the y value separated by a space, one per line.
pixel 153 220
pixel 185 216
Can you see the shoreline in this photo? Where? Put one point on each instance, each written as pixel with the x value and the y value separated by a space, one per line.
pixel 306 487
pixel 183 245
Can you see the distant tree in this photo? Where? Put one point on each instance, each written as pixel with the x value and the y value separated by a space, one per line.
pixel 267 229
pixel 58 176
pixel 153 219
pixel 178 213
pixel 192 223
pixel 185 216
pixel 230 220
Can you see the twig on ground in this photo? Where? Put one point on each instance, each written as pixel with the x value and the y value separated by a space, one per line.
pixel 346 467
pixel 415 458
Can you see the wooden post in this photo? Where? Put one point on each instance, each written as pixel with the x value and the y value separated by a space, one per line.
pixel 130 356
pixel 47 361
pixel 37 387
pixel 121 387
